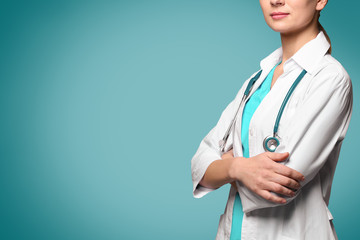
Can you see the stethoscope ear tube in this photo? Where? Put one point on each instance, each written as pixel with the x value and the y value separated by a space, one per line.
pixel 223 141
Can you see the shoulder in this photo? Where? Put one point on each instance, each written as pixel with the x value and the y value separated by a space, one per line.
pixel 331 81
pixel 330 72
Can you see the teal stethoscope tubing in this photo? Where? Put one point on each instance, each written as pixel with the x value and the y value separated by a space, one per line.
pixel 270 139
pixel 302 74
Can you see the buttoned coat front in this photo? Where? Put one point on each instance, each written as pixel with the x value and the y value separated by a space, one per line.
pixel 312 129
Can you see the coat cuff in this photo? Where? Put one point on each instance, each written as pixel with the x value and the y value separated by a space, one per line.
pixel 198 172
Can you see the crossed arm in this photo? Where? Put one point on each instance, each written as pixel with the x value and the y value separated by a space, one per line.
pixel 319 124
pixel 262 174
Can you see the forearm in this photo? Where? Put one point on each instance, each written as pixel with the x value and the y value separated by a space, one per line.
pixel 218 173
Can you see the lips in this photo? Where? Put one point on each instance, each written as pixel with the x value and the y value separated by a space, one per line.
pixel 278 15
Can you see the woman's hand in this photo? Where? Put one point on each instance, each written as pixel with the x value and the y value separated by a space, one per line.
pixel 263 174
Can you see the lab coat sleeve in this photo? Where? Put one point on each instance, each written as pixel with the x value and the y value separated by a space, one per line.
pixel 209 149
pixel 319 123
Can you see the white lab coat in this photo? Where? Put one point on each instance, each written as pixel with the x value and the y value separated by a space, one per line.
pixel 312 128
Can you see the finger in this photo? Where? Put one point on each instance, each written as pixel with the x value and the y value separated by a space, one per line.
pixel 278 157
pixel 285 181
pixel 289 172
pixel 277 188
pixel 271 197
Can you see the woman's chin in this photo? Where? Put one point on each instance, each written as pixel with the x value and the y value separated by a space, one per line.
pixel 281 29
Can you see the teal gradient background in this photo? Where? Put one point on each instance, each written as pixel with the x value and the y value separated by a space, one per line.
pixel 104 103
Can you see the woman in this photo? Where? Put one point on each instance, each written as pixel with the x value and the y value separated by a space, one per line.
pixel 283 192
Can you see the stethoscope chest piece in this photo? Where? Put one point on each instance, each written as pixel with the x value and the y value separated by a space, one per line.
pixel 271 143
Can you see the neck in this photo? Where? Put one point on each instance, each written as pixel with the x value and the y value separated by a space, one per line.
pixel 292 42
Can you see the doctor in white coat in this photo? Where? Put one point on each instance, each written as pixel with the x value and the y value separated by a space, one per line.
pixel 284 194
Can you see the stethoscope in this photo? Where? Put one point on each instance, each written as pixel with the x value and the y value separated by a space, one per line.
pixel 270 142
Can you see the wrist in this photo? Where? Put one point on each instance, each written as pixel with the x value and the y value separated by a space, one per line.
pixel 234 168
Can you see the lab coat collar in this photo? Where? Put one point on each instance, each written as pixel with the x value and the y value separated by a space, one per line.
pixel 306 57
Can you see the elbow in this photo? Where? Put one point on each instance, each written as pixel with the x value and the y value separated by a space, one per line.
pixel 251 201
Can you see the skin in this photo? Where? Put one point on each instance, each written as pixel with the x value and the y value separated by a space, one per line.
pixel 264 173
pixel 298 28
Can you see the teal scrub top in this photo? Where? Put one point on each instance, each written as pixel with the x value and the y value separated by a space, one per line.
pixel 249 109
